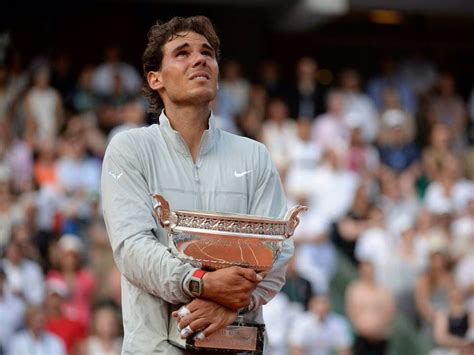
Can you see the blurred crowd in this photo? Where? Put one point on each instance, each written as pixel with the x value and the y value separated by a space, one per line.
pixel 385 164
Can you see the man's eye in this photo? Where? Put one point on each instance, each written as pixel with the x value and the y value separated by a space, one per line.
pixel 207 53
pixel 182 54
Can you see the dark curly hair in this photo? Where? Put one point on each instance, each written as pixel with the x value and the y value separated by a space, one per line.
pixel 159 35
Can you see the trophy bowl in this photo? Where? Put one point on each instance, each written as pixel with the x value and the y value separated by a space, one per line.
pixel 217 240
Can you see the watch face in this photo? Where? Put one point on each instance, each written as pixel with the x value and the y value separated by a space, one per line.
pixel 195 287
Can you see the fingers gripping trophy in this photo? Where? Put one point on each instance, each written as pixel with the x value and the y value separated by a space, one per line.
pixel 216 241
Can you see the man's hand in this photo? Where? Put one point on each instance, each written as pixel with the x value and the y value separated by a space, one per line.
pixel 204 318
pixel 230 287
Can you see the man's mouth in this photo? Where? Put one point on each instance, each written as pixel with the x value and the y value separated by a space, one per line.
pixel 200 76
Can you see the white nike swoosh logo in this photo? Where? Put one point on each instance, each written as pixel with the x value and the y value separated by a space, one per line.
pixel 116 177
pixel 237 175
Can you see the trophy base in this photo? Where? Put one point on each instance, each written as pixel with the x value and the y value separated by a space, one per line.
pixel 237 338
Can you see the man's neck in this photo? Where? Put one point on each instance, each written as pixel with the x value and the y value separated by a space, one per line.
pixel 190 122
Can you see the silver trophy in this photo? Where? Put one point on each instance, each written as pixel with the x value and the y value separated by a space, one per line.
pixel 217 240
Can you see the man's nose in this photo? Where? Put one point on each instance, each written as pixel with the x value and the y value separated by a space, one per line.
pixel 199 59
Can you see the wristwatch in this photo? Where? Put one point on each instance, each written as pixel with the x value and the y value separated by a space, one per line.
pixel 195 283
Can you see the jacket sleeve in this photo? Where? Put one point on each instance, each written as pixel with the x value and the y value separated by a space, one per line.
pixel 131 225
pixel 269 200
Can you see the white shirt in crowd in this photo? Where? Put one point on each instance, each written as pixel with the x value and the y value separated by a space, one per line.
pixel 330 132
pixel 103 80
pixel 321 337
pixel 43 104
pixel 279 315
pixel 464 275
pixel 333 191
pixel 27 278
pixel 279 140
pixel 376 245
pixel 25 344
pixel 438 202
pixel 11 311
pixel 366 110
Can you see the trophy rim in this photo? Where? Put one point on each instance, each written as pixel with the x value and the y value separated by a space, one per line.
pixel 241 217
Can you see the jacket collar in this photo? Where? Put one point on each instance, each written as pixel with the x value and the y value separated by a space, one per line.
pixel 176 140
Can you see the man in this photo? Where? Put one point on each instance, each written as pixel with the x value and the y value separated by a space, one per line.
pixel 70 331
pixel 24 277
pixel 320 331
pixel 35 339
pixel 11 309
pixel 194 166
pixel 371 309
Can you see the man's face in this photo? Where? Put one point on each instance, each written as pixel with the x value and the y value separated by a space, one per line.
pixel 189 71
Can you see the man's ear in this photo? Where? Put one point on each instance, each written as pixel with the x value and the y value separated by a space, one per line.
pixel 154 80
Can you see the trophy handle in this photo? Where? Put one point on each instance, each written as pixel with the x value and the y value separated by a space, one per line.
pixel 293 220
pixel 162 210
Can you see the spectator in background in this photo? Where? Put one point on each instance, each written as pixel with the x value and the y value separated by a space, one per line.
pixel 105 338
pixel 11 212
pixel 464 271
pixel 304 155
pixel 448 108
pixel 258 100
pixel 315 257
pixel 101 261
pixel 306 98
pixel 279 134
pixel 35 339
pixel 376 245
pixel 17 156
pixel 333 187
pixel 62 78
pixel 249 124
pixel 279 315
pixel 7 96
pixel 397 151
pixel 78 176
pixel 297 288
pixel 454 326
pixel 358 103
pixel 132 115
pixel 24 277
pixel 234 87
pixel 43 107
pixel 113 71
pixel 349 228
pixel 361 157
pixel 438 150
pixel 70 331
pixel 392 106
pixel 79 280
pixel 419 72
pixel 329 130
pixel 398 199
pixel 84 98
pixel 462 231
pixel 450 192
pixel 18 79
pixel 371 310
pixel 391 78
pixel 432 286
pixel 270 78
pixel 320 331
pixel 11 310
pixel 45 167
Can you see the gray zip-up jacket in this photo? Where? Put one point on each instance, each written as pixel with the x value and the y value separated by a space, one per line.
pixel 232 174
